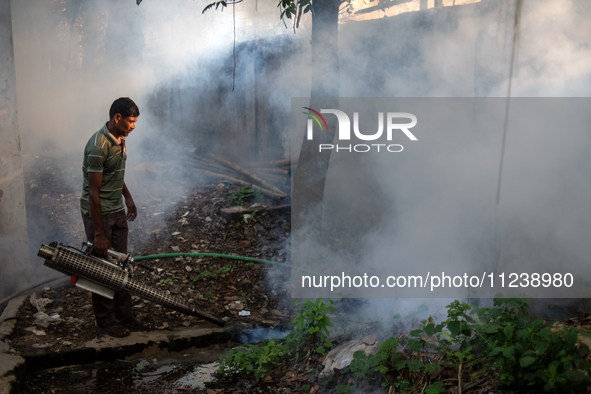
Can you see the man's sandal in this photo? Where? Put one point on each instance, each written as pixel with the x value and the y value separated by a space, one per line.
pixel 134 323
pixel 114 330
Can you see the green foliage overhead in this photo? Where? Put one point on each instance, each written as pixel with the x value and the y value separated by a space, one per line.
pixel 288 8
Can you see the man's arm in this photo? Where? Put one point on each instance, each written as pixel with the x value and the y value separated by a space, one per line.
pixel 100 243
pixel 131 209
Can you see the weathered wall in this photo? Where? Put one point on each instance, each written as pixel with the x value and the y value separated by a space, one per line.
pixel 13 223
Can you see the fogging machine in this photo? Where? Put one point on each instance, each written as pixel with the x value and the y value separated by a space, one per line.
pixel 106 275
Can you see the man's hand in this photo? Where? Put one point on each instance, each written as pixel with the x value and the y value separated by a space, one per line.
pixel 131 209
pixel 100 245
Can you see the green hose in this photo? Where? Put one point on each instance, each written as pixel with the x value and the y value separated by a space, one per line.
pixel 227 256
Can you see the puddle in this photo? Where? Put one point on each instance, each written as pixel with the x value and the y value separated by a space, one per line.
pixel 197 378
pixel 174 373
pixel 153 371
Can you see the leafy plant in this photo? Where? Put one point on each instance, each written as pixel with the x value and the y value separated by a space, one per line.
pixel 521 349
pixel 213 274
pixel 204 275
pixel 244 195
pixel 435 388
pixel 258 359
pixel 313 318
pixel 251 359
pixel 503 342
pixel 344 388
pixel 225 269
pixel 164 282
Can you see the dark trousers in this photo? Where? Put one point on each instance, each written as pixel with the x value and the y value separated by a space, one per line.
pixel 115 229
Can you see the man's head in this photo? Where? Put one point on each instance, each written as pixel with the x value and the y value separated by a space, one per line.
pixel 122 116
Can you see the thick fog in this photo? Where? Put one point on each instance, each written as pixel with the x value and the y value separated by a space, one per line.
pixel 73 58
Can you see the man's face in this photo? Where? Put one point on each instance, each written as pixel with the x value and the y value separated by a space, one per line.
pixel 125 125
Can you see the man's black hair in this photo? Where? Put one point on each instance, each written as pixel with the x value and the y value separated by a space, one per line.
pixel 124 106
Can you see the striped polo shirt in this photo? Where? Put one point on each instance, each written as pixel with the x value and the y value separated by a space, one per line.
pixel 103 153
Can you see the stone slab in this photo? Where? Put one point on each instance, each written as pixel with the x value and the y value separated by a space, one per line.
pixel 12 308
pixel 8 384
pixel 8 317
pixel 9 362
pixel 147 337
pixel 11 368
pixel 6 328
pixel 108 349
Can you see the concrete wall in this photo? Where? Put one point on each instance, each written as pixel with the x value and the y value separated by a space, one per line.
pixel 13 222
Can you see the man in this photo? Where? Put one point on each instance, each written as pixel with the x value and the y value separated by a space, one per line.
pixel 103 213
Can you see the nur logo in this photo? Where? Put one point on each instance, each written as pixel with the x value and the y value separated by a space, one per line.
pixel 344 129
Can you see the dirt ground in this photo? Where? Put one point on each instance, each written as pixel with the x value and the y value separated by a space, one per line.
pixel 226 288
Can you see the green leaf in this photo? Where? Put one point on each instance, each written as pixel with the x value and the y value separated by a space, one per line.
pixel 454 327
pixel 508 331
pixel 495 351
pixel 397 357
pixel 525 361
pixel 508 352
pixel 576 376
pixel 435 388
pixel 541 348
pixel 537 324
pixel 309 304
pixel 492 328
pixel 389 344
pixel 414 366
pixel 431 329
pixel 416 333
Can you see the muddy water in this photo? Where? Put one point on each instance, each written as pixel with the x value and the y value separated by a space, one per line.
pixel 152 371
